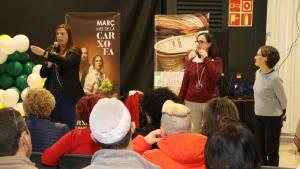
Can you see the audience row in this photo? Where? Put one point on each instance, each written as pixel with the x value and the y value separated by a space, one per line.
pixel 111 136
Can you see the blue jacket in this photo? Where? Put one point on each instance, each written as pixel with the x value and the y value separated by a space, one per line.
pixel 44 132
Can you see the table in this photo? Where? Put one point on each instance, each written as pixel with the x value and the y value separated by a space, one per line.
pixel 245 107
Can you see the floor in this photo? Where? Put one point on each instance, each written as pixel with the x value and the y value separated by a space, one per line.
pixel 289 157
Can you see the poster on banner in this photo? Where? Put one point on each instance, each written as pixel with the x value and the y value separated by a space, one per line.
pixel 174 39
pixel 98 36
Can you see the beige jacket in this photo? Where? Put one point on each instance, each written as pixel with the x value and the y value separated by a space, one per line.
pixel 16 162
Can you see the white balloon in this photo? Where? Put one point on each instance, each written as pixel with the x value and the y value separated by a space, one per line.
pixel 19 107
pixel 22 42
pixel 7 45
pixel 10 97
pixel 24 92
pixel 3 57
pixel 37 68
pixel 34 80
pixel 1 95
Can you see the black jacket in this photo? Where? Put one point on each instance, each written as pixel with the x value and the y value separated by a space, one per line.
pixel 68 73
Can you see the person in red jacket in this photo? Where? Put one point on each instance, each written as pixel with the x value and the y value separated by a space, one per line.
pixel 133 104
pixel 178 148
pixel 202 72
pixel 77 141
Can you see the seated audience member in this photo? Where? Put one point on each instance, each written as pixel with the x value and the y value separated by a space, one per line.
pixel 38 105
pixel 218 111
pixel 151 105
pixel 178 148
pixel 132 101
pixel 15 141
pixel 232 146
pixel 111 127
pixel 77 141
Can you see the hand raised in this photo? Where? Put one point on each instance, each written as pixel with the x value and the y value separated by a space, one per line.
pixel 203 53
pixel 153 136
pixel 37 50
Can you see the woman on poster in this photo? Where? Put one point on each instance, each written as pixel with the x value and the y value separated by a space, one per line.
pixel 95 76
pixel 202 72
pixel 84 65
pixel 61 69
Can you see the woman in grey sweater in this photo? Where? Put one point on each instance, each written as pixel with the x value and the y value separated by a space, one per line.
pixel 270 105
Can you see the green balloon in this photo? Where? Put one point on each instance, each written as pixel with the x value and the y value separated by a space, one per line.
pixel 14 68
pixel 16 56
pixel 28 66
pixel 21 82
pixel 24 57
pixel 3 67
pixel 6 81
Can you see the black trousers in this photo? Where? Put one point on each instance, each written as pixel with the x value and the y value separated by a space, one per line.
pixel 267 135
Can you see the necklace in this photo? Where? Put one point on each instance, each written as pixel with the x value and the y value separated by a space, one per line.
pixel 199 84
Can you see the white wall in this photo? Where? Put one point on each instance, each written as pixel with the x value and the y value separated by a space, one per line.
pixel 282 31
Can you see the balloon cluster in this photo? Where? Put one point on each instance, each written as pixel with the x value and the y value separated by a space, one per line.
pixel 17 72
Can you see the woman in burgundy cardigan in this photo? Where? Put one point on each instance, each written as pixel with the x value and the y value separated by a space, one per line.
pixel 202 72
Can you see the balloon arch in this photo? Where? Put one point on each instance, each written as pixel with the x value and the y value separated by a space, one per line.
pixel 17 73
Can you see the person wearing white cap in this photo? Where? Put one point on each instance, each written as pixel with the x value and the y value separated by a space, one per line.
pixel 111 127
pixel 178 148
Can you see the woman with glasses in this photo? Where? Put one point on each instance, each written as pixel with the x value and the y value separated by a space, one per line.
pixel 202 72
pixel 270 105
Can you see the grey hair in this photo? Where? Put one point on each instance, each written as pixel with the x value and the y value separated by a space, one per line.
pixel 174 124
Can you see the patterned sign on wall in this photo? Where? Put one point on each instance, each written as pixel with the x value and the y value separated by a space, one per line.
pixel 240 13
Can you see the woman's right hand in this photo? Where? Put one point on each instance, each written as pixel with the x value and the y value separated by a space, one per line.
pixel 154 136
pixel 49 64
pixel 37 50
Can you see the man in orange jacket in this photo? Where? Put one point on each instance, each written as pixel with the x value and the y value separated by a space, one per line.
pixel 178 148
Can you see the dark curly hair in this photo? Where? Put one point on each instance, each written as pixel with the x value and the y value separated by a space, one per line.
pixel 154 99
pixel 85 106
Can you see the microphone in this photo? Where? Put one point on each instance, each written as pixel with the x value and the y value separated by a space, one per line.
pixel 56 47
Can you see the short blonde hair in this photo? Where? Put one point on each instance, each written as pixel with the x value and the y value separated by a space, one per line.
pixel 38 102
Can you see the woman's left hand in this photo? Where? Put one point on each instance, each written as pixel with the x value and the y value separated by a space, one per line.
pixel 37 50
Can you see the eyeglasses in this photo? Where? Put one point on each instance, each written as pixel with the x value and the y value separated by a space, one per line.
pixel 199 41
